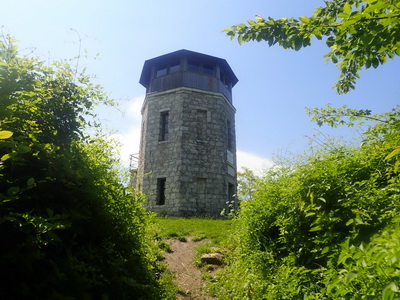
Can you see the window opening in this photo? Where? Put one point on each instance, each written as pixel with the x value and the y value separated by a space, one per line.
pixel 193 66
pixel 231 193
pixel 208 70
pixel 222 77
pixel 230 134
pixel 161 183
pixel 164 126
pixel 161 71
pixel 201 124
pixel 174 68
pixel 225 80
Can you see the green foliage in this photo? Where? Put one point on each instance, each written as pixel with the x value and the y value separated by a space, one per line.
pixel 69 229
pixel 325 227
pixel 367 270
pixel 360 34
pixel 335 117
pixel 247 184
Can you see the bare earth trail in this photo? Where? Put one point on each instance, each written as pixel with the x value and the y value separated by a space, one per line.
pixel 187 275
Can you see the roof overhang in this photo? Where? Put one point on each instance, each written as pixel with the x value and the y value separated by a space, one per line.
pixel 145 77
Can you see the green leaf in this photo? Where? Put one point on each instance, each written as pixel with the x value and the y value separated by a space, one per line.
pixel 367 39
pixel 389 291
pixel 375 62
pixel 5 157
pixel 13 191
pixel 316 228
pixel 359 221
pixel 396 166
pixel 298 43
pixel 330 41
pixel 31 181
pixel 240 39
pixel 351 276
pixel 393 153
pixel 347 8
pixel 304 19
pixel 5 134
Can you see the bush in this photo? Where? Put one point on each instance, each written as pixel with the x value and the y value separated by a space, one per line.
pixel 69 228
pixel 317 229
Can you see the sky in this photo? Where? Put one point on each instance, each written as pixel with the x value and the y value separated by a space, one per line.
pixel 114 38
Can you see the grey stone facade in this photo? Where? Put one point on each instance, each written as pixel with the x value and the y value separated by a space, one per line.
pixel 187 159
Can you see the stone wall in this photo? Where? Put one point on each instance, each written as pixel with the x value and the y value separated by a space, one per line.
pixel 195 161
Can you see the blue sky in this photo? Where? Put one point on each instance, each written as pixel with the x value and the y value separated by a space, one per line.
pixel 275 85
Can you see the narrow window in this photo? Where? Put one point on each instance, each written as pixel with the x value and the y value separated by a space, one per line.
pixel 161 191
pixel 161 71
pixel 164 126
pixel 230 134
pixel 201 124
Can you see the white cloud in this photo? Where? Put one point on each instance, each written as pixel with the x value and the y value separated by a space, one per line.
pixel 133 110
pixel 252 161
pixel 130 137
pixel 129 143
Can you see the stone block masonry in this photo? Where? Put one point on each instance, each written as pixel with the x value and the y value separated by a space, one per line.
pixel 194 160
pixel 187 158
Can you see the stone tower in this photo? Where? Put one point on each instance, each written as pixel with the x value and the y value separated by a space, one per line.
pixel 187 158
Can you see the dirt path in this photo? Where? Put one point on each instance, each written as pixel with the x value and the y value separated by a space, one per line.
pixel 188 276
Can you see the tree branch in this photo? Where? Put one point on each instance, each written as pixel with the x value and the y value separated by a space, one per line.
pixel 364 20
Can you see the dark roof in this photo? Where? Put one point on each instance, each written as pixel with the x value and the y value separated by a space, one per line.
pixel 145 77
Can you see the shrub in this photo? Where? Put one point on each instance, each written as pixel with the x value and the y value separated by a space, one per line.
pixel 317 228
pixel 69 228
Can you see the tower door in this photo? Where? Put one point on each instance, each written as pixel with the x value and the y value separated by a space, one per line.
pixel 161 191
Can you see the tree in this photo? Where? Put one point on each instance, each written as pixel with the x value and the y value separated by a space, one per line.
pixel 69 229
pixel 360 34
pixel 247 184
pixel 324 226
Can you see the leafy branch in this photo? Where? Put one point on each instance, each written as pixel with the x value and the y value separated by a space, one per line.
pixel 365 20
pixel 346 116
pixel 360 34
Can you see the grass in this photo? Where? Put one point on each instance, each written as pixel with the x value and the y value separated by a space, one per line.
pixel 213 232
pixel 198 228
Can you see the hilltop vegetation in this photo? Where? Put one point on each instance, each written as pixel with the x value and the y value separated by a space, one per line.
pixel 69 229
pixel 325 227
